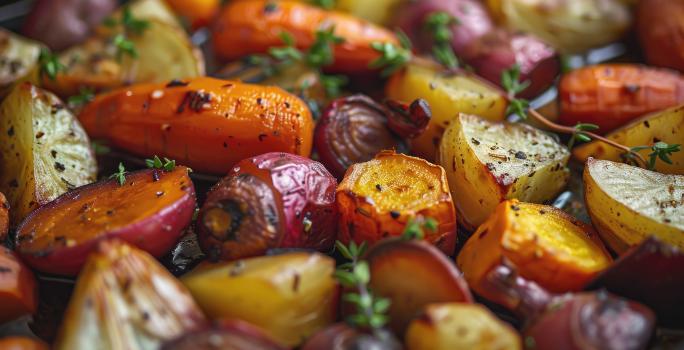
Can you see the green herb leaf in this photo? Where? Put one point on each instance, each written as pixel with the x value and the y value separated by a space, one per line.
pixel 510 81
pixel 362 272
pixel 156 163
pixel 132 24
pixel 415 226
pixel 660 150
pixel 579 134
pixel 438 24
pixel 124 47
pixel 343 250
pixel 100 148
pixel 120 175
pixel 49 64
pixel 392 58
pixel 85 95
pixel 326 4
pixel 321 51
pixel 333 84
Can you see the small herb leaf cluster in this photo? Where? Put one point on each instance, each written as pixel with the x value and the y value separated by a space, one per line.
pixel 392 57
pixel 660 150
pixel 49 64
pixel 120 175
pixel 157 163
pixel 415 228
pixel 130 26
pixel 580 135
pixel 438 24
pixel 510 81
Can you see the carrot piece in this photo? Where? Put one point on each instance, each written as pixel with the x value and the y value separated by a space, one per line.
pixel 4 217
pixel 18 294
pixel 22 343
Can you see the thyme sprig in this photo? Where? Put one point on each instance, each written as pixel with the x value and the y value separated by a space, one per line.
pixel 49 64
pixel 157 163
pixel 370 309
pixel 510 80
pixel 580 133
pixel 660 150
pixel 85 95
pixel 130 26
pixel 120 175
pixel 438 24
pixel 415 227
pixel 392 57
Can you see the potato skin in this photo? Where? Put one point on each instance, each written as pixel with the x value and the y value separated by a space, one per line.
pixel 252 26
pixel 207 124
pixel 477 329
pixel 612 95
pixel 666 126
pixel 284 201
pixel 18 293
pixel 448 95
pixel 545 244
pixel 659 28
pixel 364 195
pixel 150 210
pixel 290 296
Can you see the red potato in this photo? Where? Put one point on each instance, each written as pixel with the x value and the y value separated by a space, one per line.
pixel 275 200
pixel 63 23
pixel 230 334
pixel 433 279
pixel 660 27
pixel 661 291
pixel 18 294
pixel 340 336
pixel 150 210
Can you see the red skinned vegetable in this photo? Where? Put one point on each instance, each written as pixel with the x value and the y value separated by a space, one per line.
pixel 18 293
pixel 340 336
pixel 354 129
pixel 150 210
pixel 275 200
pixel 660 26
pixel 225 334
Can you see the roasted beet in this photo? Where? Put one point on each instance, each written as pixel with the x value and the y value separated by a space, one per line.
pixel 275 200
pixel 355 128
pixel 226 334
pixel 657 266
pixel 340 336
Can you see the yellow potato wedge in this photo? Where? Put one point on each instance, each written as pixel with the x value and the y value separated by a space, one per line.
pixel 290 296
pixel 451 326
pixel 18 59
pixel 488 162
pixel 543 243
pixel 44 150
pixel 569 26
pixel 627 204
pixel 448 95
pixel 666 126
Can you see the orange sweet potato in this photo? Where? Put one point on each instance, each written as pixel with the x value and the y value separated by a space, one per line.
pixel 253 26
pixel 545 245
pixel 377 198
pixel 17 287
pixel 205 123
pixel 22 343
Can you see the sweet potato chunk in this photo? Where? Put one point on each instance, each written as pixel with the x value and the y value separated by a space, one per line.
pixel 545 245
pixel 18 294
pixel 377 198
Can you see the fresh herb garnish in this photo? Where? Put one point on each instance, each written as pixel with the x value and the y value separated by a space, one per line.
pixel 320 53
pixel 120 175
pixel 49 64
pixel 580 134
pixel 510 80
pixel 99 148
pixel 415 227
pixel 85 95
pixel 392 57
pixel 660 150
pixel 124 47
pixel 326 4
pixel 438 24
pixel 132 24
pixel 156 163
pixel 333 84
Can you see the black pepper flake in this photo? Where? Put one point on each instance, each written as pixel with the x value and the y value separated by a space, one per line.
pixel 378 187
pixel 176 82
pixel 14 183
pixel 295 282
pixel 40 134
pixel 646 124
pixel 159 193
pixel 59 167
pixel 542 212
pixel 262 137
pixel 532 173
pixel 520 155
pixel 110 212
pixel 490 166
pixel 270 7
pixel 10 131
pixel 194 100
pixel 632 88
pixel 225 145
pixel 53 153
pixel 155 175
pixel 394 214
pixel 475 141
pixel 56 108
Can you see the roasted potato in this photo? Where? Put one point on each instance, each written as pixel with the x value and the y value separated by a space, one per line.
pixel 18 60
pixel 4 217
pixel 627 204
pixel 569 26
pixel 275 200
pixel 226 334
pixel 487 163
pixel 44 150
pixel 290 296
pixel 124 299
pixel 162 52
pixel 666 126
pixel 378 11
pixel 253 26
pixel 150 210
pixel 545 244
pixel 448 95
pixel 612 95
pixel 434 279
pixel 449 326
pixel 63 23
pixel 660 291
pixel 659 28
pixel 18 292
pixel 22 343
pixel 205 123
pixel 376 199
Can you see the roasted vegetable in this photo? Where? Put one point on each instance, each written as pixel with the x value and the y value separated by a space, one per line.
pixel 569 26
pixel 275 200
pixel 378 11
pixel 150 209
pixel 488 163
pixel 545 244
pixel 448 95
pixel 63 23
pixel 4 217
pixel 197 13
pixel 434 279
pixel 659 27
pixel 124 299
pixel 627 204
pixel 354 129
pixel 666 126
pixel 253 26
pixel 290 296
pixel 18 294
pixel 44 151
pixel 340 336
pixel 207 124
pixel 227 334
pixel 119 55
pixel 22 343
pixel 612 95
pixel 18 59
pixel 376 199
pixel 660 291
pixel 450 326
